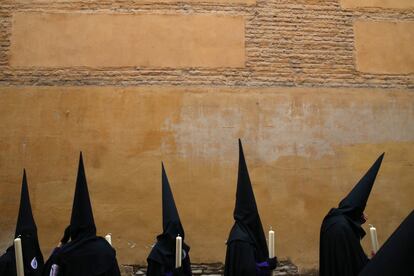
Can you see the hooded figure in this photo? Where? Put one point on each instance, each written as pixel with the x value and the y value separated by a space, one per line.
pixel 340 250
pixel 247 253
pixel 161 260
pixel 396 256
pixel 27 231
pixel 85 254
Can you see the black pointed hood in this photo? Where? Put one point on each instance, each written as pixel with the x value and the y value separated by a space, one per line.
pixel 85 254
pixel 82 223
pixel 396 256
pixel 27 231
pixel 171 222
pixel 25 221
pixel 353 205
pixel 245 212
pixel 163 251
pixel 357 199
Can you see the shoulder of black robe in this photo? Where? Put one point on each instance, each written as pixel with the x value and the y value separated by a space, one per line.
pixel 163 252
pixel 8 263
pixel 396 256
pixel 86 254
pixel 27 231
pixel 238 233
pixel 248 226
pixel 93 256
pixel 340 251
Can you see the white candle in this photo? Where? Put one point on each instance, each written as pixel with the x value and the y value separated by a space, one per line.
pixel 271 244
pixel 374 239
pixel 178 251
pixel 108 238
pixel 19 257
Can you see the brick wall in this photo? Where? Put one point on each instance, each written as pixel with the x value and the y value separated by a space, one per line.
pixel 288 43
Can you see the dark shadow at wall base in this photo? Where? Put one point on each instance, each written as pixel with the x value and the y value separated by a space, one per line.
pixel 285 268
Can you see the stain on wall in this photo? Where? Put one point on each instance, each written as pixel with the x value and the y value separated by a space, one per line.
pixel 305 148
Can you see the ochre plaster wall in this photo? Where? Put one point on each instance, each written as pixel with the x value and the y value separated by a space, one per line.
pixel 386 4
pixel 150 1
pixel 109 40
pixel 384 47
pixel 305 149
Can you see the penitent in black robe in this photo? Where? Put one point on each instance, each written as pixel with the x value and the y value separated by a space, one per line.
pixel 86 254
pixel 340 250
pixel 247 253
pixel 161 260
pixel 27 231
pixel 396 256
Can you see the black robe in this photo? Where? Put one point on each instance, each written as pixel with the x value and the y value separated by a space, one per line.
pixel 396 256
pixel 242 256
pixel 92 256
pixel 247 253
pixel 341 253
pixel 340 250
pixel 26 230
pixel 8 263
pixel 161 262
pixel 86 254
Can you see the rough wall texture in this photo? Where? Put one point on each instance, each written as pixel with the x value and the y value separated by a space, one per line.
pixel 306 146
pixel 305 149
pixel 305 42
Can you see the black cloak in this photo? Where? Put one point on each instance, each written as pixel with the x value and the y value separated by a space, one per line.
pixel 396 256
pixel 85 254
pixel 340 250
pixel 247 252
pixel 27 231
pixel 161 260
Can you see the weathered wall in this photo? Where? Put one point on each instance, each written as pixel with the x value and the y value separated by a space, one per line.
pixel 305 149
pixel 132 83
